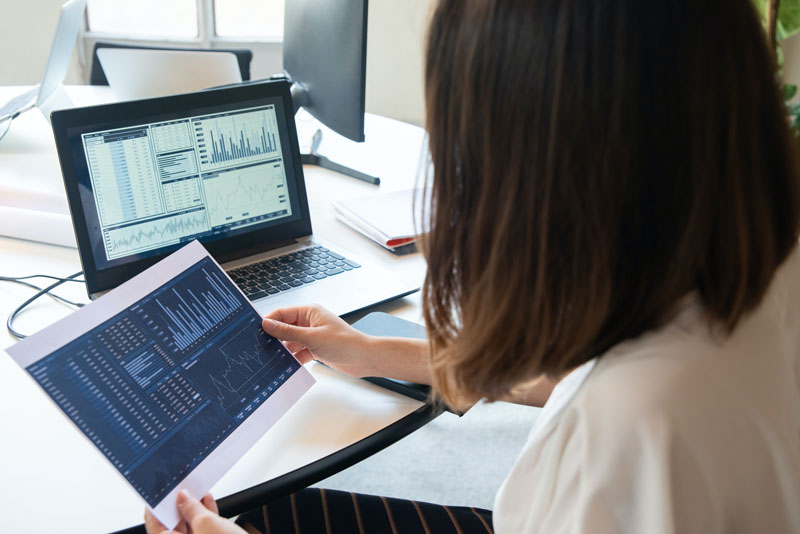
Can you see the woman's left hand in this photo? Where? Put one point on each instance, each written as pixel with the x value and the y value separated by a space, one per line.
pixel 197 517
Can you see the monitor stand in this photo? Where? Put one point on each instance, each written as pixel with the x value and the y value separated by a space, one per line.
pixel 300 98
pixel 315 158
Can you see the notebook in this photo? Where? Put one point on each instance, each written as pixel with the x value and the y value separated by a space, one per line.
pixel 387 218
pixel 221 166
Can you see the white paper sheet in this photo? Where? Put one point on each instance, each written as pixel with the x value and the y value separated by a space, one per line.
pixel 255 406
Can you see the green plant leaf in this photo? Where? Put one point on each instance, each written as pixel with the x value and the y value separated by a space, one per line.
pixel 789 91
pixel 789 17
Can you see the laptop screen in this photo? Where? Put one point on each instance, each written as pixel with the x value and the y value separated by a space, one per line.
pixel 154 177
pixel 158 184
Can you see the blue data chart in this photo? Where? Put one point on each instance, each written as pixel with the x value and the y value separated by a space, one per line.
pixel 233 369
pixel 159 386
pixel 191 314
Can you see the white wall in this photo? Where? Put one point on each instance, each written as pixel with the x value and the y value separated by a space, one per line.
pixel 791 60
pixel 394 54
pixel 26 33
pixel 395 49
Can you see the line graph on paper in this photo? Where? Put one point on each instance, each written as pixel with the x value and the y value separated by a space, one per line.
pixel 245 193
pixel 153 234
pixel 229 373
pixel 158 385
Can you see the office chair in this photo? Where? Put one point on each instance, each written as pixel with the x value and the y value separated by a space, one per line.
pixel 98 77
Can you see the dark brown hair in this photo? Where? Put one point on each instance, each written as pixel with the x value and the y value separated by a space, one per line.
pixel 594 162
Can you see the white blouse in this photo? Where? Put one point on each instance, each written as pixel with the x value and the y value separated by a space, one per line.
pixel 682 430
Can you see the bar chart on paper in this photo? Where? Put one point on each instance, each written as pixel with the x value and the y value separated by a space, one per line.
pixel 160 385
pixel 191 313
pixel 229 139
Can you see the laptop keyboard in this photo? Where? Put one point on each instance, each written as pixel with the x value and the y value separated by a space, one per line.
pixel 272 276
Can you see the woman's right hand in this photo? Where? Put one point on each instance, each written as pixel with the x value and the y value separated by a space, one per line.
pixel 314 333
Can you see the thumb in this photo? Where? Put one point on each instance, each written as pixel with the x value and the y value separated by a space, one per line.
pixel 190 508
pixel 287 332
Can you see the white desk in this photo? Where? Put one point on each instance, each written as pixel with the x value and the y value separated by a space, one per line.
pixel 51 478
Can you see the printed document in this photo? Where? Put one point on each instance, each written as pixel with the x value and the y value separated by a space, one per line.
pixel 169 376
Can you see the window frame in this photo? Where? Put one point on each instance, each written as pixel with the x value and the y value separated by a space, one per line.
pixel 267 52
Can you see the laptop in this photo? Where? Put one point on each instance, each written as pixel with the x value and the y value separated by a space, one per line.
pixel 69 23
pixel 140 73
pixel 221 166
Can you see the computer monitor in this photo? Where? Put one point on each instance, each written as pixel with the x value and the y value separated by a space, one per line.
pixel 325 58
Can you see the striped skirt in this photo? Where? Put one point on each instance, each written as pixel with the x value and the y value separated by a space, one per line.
pixel 318 511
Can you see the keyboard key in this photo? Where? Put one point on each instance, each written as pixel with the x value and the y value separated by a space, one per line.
pixel 274 275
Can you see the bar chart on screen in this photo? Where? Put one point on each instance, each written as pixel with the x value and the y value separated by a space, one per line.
pixel 229 139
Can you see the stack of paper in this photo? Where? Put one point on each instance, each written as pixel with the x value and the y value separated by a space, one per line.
pixel 30 211
pixel 387 219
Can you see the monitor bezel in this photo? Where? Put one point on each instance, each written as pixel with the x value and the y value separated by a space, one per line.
pixel 223 250
pixel 325 53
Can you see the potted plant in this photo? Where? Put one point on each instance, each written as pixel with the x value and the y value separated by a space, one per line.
pixel 781 21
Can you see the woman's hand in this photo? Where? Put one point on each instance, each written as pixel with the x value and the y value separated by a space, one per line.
pixel 314 333
pixel 197 517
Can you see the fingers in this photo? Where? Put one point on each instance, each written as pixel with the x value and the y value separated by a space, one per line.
pixel 296 315
pixel 189 507
pixel 153 525
pixel 286 332
pixel 209 502
pixel 293 347
pixel 203 517
pixel 303 356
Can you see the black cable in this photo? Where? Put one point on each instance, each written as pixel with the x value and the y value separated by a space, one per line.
pixel 44 291
pixel 7 122
pixel 38 288
pixel 28 277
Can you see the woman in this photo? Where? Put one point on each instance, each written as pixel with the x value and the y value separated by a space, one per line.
pixel 615 213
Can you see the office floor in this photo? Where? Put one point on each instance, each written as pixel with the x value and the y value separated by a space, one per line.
pixel 452 460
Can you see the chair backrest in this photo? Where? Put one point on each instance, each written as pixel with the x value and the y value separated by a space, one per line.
pixel 98 77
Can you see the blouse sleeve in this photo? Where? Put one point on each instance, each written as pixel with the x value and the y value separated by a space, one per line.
pixel 644 480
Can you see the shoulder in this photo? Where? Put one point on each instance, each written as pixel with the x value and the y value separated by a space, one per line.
pixel 694 425
pixel 691 370
pixel 681 430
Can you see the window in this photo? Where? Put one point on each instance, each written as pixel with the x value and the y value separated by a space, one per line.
pixel 148 19
pixel 249 19
pixel 188 20
pixel 253 24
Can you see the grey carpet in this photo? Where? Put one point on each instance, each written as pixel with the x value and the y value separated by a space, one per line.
pixel 453 460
